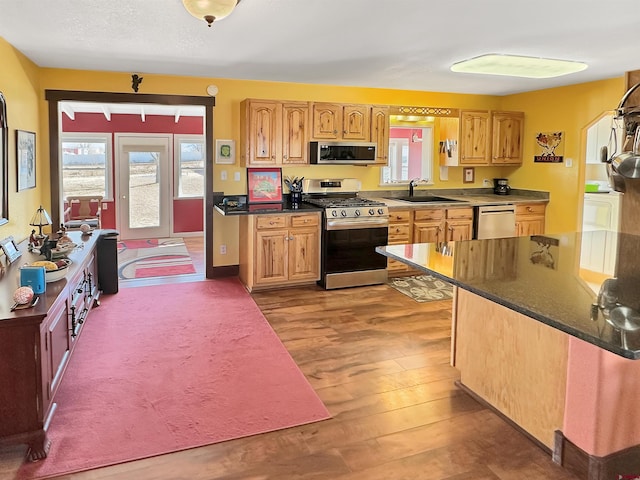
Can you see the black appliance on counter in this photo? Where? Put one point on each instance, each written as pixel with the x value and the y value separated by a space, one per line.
pixel 501 186
pixel 352 228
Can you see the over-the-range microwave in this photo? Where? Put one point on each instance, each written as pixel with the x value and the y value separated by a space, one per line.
pixel 342 153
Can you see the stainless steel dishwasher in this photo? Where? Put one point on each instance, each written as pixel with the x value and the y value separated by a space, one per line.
pixel 495 221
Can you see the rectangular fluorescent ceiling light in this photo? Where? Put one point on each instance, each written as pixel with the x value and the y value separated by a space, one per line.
pixel 517 66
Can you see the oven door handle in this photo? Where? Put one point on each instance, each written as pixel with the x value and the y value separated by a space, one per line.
pixel 344 224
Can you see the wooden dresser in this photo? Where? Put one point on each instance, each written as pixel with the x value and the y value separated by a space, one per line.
pixel 36 343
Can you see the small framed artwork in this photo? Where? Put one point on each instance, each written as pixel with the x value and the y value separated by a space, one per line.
pixel 10 249
pixel 264 185
pixel 226 152
pixel 468 175
pixel 26 159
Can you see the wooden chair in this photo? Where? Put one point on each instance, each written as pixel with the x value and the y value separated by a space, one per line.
pixel 82 209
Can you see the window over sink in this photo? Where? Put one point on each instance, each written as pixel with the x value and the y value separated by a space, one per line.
pixel 410 150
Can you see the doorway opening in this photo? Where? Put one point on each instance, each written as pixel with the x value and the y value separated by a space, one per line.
pixel 111 210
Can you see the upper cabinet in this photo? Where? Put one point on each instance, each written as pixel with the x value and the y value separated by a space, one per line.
pixel 486 138
pixel 507 133
pixel 380 133
pixel 474 137
pixel 273 133
pixel 332 121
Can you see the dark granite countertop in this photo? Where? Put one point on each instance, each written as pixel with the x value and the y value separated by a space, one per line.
pixel 541 277
pixel 264 208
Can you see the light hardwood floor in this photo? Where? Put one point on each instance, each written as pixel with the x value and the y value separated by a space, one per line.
pixel 380 362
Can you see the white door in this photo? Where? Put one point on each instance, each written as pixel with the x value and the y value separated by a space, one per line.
pixel 144 186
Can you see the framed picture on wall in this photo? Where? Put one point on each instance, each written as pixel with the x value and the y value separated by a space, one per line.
pixel 226 152
pixel 26 159
pixel 264 185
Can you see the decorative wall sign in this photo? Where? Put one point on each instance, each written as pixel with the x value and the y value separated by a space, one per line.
pixel 26 159
pixel 549 147
pixel 226 152
pixel 264 185
pixel 468 175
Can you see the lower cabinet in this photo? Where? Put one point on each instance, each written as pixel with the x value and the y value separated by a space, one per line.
pixel 279 250
pixel 399 234
pixel 36 345
pixel 530 219
pixel 436 225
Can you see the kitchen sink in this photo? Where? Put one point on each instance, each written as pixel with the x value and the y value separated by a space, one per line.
pixel 425 199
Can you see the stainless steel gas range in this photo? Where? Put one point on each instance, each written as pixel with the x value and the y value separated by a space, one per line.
pixel 352 228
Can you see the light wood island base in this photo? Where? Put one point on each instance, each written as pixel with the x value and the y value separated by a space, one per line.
pixel 514 363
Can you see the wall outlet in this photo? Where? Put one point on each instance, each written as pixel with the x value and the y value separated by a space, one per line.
pixel 236 176
pixel 486 182
pixel 105 205
pixel 568 162
pixel 223 175
pixel 223 249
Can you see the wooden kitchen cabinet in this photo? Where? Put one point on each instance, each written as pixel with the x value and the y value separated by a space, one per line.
pixel 489 138
pixel 530 219
pixel 279 250
pixel 380 133
pixel 436 225
pixel 475 140
pixel 399 234
pixel 273 133
pixel 507 134
pixel 36 345
pixel 459 224
pixel 333 121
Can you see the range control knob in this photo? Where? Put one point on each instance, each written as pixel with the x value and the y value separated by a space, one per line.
pixel 371 211
pixel 357 213
pixel 334 213
pixel 380 211
pixel 343 213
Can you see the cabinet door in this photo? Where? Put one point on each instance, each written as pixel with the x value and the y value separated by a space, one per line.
pixel 427 232
pixel 508 128
pixel 327 121
pixel 295 133
pixel 271 260
pixel 304 254
pixel 474 137
pixel 264 133
pixel 530 226
pixel 57 347
pixel 380 133
pixel 356 122
pixel 458 230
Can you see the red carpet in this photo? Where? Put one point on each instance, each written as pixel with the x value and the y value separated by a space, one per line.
pixel 157 257
pixel 164 368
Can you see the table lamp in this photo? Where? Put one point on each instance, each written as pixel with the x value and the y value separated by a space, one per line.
pixel 40 219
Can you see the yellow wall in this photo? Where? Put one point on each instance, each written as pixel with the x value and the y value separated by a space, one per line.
pixel 19 83
pixel 569 110
pixel 566 109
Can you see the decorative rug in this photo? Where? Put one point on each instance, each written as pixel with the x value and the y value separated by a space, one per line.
pixel 422 288
pixel 169 367
pixel 156 257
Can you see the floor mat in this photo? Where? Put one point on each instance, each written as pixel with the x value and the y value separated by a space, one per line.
pixel 157 257
pixel 422 288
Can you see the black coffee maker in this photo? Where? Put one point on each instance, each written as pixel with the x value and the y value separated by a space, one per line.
pixel 501 186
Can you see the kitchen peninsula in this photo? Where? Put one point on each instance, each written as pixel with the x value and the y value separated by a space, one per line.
pixel 532 338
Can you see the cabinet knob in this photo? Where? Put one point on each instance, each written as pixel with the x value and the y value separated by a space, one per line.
pixel 291 237
pixel 529 209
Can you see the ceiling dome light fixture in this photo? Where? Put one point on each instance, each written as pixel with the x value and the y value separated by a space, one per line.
pixel 210 10
pixel 518 66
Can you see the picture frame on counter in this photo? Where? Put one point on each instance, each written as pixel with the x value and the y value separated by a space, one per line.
pixel 264 185
pixel 10 249
pixel 26 159
pixel 225 152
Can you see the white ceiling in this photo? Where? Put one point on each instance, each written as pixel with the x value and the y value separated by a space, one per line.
pixel 400 44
